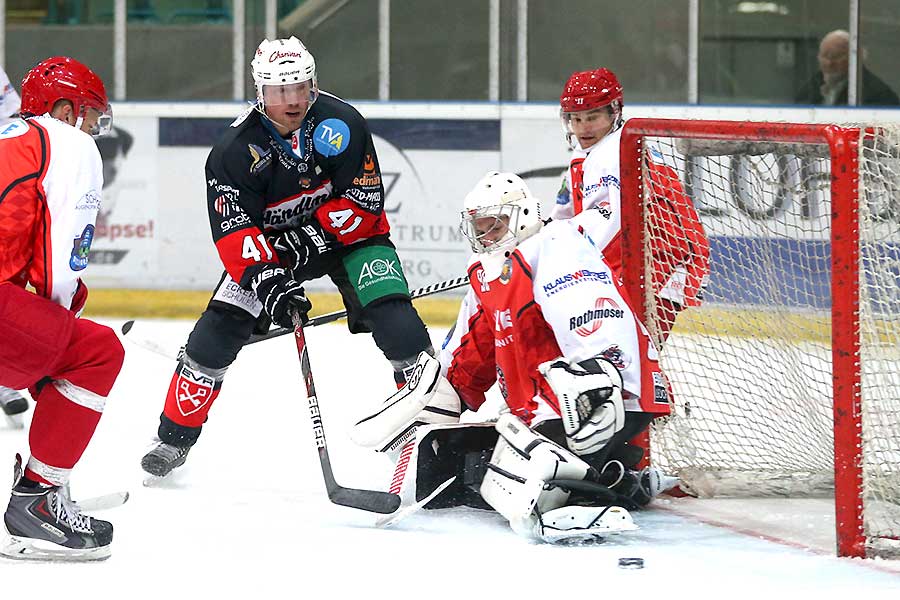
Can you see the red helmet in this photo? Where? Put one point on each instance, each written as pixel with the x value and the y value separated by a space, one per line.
pixel 586 90
pixel 62 78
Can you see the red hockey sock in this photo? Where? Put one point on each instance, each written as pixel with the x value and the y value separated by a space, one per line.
pixel 191 395
pixel 60 432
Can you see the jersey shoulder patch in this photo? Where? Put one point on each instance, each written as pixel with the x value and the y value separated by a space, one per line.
pixel 331 137
pixel 13 129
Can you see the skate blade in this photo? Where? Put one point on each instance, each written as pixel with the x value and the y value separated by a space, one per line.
pixel 104 502
pixel 28 549
pixel 16 421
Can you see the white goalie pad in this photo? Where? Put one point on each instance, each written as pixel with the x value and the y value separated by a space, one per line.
pixel 574 524
pixel 427 398
pixel 521 464
pixel 404 480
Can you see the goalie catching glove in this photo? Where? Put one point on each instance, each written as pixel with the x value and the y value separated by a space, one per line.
pixel 590 401
pixel 426 398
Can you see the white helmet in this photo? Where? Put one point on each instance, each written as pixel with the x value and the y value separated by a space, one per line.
pixel 283 62
pixel 500 212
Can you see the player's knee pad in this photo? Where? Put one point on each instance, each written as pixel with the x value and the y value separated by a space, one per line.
pixel 191 393
pixel 523 462
pixel 219 335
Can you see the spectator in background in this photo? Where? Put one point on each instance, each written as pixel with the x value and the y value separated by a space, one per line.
pixel 828 86
pixel 9 98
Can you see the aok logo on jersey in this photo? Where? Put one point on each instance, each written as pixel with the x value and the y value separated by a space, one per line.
pixel 590 321
pixel 377 271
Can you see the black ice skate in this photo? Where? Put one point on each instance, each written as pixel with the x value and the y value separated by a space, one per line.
pixel 163 458
pixel 42 524
pixel 12 404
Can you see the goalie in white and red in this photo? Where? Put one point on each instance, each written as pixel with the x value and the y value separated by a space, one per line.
pixel 551 325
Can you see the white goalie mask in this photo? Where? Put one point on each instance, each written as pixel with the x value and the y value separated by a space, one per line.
pixel 498 214
pixel 284 72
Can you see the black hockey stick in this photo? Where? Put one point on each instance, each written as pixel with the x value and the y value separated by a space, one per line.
pixel 148 343
pixel 370 500
pixel 428 290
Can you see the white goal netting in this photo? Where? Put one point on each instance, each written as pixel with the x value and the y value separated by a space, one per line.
pixel 751 369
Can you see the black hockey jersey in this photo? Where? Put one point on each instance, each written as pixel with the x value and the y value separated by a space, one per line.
pixel 258 182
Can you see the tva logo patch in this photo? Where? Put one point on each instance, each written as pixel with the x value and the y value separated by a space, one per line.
pixel 331 137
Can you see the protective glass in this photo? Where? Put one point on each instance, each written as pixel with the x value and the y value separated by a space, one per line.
pixel 293 93
pixel 490 228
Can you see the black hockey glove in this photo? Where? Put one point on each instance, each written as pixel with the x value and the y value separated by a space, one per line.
pixel 295 247
pixel 280 296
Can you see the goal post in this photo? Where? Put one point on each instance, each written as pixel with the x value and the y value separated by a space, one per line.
pixel 787 376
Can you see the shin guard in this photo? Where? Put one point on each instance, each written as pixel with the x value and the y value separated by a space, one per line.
pixel 192 392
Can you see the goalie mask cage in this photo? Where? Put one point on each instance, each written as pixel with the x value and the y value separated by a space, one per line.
pixel 786 381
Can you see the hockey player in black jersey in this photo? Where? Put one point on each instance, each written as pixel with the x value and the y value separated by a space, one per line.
pixel 294 192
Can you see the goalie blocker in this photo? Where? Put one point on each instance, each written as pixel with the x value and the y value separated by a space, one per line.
pixel 521 473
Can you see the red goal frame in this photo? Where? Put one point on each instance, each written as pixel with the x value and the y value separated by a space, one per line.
pixel 843 143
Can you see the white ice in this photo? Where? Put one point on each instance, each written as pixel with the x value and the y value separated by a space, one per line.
pixel 248 515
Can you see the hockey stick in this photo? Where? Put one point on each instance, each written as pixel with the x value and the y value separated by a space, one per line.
pixel 370 500
pixel 148 344
pixel 428 290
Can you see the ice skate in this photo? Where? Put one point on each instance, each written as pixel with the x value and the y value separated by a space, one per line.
pixel 163 458
pixel 42 524
pixel 13 404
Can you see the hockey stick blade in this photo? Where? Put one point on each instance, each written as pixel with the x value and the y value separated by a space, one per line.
pixel 104 502
pixel 368 500
pixel 374 501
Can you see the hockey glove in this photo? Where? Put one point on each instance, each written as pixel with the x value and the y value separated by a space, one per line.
pixel 280 296
pixel 590 401
pixel 296 247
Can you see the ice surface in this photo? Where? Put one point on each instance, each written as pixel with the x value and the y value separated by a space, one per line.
pixel 248 515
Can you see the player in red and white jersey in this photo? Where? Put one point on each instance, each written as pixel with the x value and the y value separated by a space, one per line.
pixel 11 401
pixel 50 197
pixel 553 326
pixel 591 112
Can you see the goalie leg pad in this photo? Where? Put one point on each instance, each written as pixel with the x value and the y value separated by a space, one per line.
pixel 578 524
pixel 426 398
pixel 439 453
pixel 521 464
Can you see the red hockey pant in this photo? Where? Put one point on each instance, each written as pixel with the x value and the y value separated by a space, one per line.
pixel 40 339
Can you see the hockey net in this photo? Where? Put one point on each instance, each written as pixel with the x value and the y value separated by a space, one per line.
pixel 786 380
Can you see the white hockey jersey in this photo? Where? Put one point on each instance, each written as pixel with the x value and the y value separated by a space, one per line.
pixel 49 199
pixel 555 296
pixel 592 182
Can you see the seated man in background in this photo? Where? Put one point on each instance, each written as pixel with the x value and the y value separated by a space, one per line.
pixel 575 391
pixel 828 86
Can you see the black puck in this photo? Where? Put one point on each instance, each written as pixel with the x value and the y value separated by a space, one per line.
pixel 631 563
